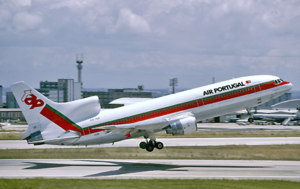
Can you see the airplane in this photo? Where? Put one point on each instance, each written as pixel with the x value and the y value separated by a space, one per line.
pixel 82 122
pixel 4 124
pixel 279 118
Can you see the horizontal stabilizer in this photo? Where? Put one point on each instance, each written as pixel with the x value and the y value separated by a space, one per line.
pixel 129 101
pixel 66 137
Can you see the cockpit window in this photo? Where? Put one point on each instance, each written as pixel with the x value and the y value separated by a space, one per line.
pixel 277 81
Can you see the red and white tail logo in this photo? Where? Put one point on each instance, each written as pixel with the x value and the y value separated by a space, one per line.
pixel 31 99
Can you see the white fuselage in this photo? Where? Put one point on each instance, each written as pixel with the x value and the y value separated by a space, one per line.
pixel 204 102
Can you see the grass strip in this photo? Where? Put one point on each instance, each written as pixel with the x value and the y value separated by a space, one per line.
pixel 231 152
pixel 199 134
pixel 231 134
pixel 40 183
pixel 10 136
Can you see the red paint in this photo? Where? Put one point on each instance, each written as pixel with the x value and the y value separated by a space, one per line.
pixel 128 135
pixel 32 100
pixel 64 124
pixel 58 120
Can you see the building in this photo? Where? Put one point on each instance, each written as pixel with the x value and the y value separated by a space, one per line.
pixel 112 94
pixel 1 91
pixel 65 90
pixel 1 96
pixel 282 98
pixel 11 101
pixel 11 114
pixel 53 94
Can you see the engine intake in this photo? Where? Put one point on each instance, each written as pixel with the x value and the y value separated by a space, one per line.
pixel 183 126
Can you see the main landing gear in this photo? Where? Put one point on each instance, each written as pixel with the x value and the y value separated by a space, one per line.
pixel 150 145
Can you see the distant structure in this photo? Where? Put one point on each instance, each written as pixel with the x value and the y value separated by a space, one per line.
pixel 11 101
pixel 11 114
pixel 113 94
pixel 287 105
pixel 64 90
pixel 213 80
pixel 282 98
pixel 140 87
pixel 173 83
pixel 79 66
pixel 1 91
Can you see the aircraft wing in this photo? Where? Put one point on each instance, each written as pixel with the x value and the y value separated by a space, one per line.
pixel 134 126
pixel 147 126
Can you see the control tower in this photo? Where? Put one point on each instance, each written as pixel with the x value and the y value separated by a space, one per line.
pixel 79 60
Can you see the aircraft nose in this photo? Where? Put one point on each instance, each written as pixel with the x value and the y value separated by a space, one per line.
pixel 288 86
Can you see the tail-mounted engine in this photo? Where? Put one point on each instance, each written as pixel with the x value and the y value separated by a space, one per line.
pixel 182 126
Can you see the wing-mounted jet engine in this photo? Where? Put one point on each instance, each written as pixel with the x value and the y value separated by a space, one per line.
pixel 183 126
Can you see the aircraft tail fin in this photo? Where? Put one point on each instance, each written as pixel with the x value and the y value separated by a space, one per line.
pixel 31 103
pixel 47 119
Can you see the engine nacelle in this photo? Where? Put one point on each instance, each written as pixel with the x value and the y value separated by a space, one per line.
pixel 183 126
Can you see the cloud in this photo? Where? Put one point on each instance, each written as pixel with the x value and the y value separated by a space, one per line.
pixel 25 21
pixel 131 22
pixel 44 31
pixel 22 2
pixel 5 17
pixel 140 40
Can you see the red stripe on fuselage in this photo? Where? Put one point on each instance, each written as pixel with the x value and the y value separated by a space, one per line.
pixel 64 124
pixel 58 120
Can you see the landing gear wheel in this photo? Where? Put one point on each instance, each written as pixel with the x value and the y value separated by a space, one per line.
pixel 149 147
pixel 159 145
pixel 250 120
pixel 143 145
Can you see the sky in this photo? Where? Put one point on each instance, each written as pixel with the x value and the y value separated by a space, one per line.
pixel 130 43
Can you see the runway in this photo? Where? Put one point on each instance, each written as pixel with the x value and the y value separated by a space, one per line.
pixel 22 144
pixel 149 169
